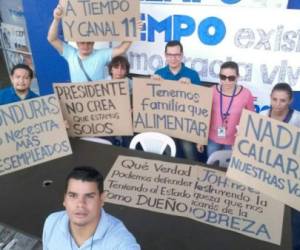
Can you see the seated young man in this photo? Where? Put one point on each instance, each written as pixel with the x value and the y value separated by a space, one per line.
pixel 21 77
pixel 84 224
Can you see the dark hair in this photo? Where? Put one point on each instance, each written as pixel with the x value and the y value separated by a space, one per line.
pixel 282 86
pixel 231 65
pixel 22 66
pixel 119 60
pixel 86 173
pixel 174 43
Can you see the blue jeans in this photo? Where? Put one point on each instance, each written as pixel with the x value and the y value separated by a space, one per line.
pixel 188 149
pixel 213 146
pixel 296 229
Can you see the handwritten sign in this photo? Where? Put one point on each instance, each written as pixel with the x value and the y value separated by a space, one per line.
pixel 101 20
pixel 100 108
pixel 32 132
pixel 266 156
pixel 179 110
pixel 194 192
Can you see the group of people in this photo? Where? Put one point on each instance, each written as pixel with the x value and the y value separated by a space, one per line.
pixel 84 224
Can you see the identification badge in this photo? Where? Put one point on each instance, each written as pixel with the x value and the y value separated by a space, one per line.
pixel 221 132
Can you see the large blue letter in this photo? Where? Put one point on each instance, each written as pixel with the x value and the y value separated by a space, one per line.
pixel 165 25
pixel 179 22
pixel 203 31
pixel 231 1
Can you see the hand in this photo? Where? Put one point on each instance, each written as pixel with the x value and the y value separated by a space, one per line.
pixel 139 24
pixel 236 131
pixel 66 123
pixel 200 148
pixel 156 77
pixel 58 12
pixel 185 80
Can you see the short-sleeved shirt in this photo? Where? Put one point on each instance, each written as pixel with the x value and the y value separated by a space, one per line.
pixel 8 95
pixel 243 99
pixel 167 74
pixel 293 119
pixel 94 64
pixel 110 234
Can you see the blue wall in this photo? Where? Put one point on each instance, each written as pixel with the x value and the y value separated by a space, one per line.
pixel 50 66
pixel 295 4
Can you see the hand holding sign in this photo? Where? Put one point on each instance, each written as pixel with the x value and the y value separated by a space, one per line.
pixel 99 108
pixel 156 77
pixel 200 148
pixel 32 132
pixel 180 111
pixel 266 156
pixel 58 12
pixel 185 80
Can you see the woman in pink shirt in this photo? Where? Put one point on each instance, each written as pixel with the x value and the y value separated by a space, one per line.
pixel 229 100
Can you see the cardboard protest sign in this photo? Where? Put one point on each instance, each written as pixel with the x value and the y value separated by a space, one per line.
pixel 100 108
pixel 100 20
pixel 32 132
pixel 194 192
pixel 178 110
pixel 266 156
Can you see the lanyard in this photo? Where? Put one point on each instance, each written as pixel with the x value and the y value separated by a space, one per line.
pixel 226 114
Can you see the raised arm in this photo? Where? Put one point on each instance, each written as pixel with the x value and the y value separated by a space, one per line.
pixel 52 33
pixel 124 46
pixel 121 49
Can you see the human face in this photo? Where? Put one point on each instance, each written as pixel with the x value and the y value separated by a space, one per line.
pixel 118 72
pixel 85 48
pixel 174 57
pixel 83 202
pixel 228 73
pixel 21 80
pixel 280 101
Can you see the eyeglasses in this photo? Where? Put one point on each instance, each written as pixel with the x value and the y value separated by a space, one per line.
pixel 230 78
pixel 173 55
pixel 85 43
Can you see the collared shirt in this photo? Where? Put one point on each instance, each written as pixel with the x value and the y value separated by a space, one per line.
pixel 294 119
pixel 167 74
pixel 110 234
pixel 9 95
pixel 94 64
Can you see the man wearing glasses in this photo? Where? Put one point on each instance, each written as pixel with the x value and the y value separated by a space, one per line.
pixel 176 70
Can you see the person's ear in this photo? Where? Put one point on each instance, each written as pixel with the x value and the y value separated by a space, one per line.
pixel 64 202
pixel 102 198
